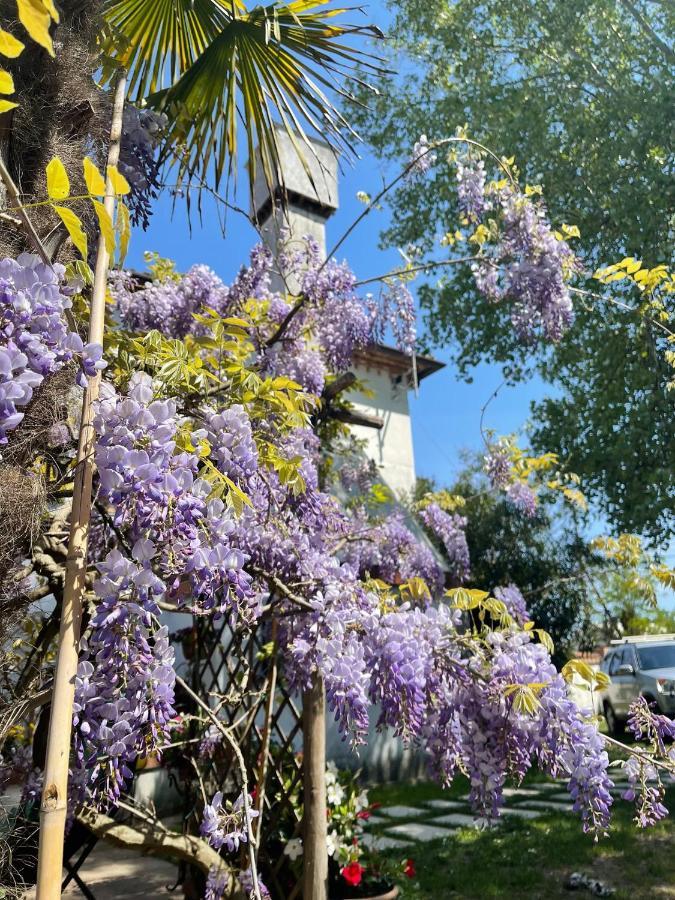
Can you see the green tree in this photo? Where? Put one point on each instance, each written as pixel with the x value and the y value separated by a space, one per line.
pixel 542 556
pixel 579 93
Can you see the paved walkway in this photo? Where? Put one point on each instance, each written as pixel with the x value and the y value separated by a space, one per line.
pixel 402 826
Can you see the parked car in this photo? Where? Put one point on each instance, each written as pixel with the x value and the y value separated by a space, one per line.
pixel 638 666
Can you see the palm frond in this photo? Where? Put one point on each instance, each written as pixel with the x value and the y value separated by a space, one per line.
pixel 214 67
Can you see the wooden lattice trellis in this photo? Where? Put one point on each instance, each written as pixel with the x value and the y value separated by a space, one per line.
pixel 237 668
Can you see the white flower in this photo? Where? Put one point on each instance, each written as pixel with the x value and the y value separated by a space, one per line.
pixel 293 848
pixel 332 842
pixel 362 801
pixel 335 794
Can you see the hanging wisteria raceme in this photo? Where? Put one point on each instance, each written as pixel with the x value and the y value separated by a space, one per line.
pixel 471 188
pixel 141 133
pixel 498 467
pixel 35 340
pixel 645 787
pixel 124 691
pixel 450 529
pixel 525 264
pixel 155 493
pixel 523 498
pixel 514 602
pixel 423 157
pixel 224 823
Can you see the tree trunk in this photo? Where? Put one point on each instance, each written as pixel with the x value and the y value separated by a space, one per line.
pixel 315 875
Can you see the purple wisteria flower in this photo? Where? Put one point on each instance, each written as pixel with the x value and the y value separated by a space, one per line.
pixel 450 529
pixel 514 602
pixel 523 498
pixel 423 157
pixel 225 825
pixel 35 340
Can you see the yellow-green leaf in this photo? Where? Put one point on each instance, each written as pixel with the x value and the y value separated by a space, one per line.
pixel 6 82
pixel 9 45
pixel 6 105
pixel 106 225
pixel 58 185
pixel 119 183
pixel 35 17
pixel 124 231
pixel 74 227
pixel 93 179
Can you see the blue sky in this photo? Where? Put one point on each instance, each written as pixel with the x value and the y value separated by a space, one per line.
pixel 446 414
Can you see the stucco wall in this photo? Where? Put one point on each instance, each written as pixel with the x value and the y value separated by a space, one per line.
pixel 391 447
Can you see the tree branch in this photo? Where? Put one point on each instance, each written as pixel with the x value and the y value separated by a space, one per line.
pixel 161 844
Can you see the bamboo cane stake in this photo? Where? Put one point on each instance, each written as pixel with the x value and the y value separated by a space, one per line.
pixel 315 859
pixel 55 793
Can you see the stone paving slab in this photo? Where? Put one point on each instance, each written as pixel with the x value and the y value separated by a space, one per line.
pixel 112 873
pixel 550 806
pixel 522 792
pixel 521 812
pixel 400 812
pixel 445 804
pixel 560 798
pixel 458 819
pixel 418 831
pixel 382 842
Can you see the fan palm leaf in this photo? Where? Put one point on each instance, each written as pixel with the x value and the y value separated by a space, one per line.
pixel 215 67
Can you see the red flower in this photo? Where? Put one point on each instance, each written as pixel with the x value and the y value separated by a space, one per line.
pixel 364 814
pixel 409 869
pixel 352 873
pixel 375 806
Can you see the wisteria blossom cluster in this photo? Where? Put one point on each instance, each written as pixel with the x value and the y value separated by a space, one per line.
pixel 141 131
pixel 526 264
pixel 35 340
pixel 423 157
pixel 645 786
pixel 224 824
pixel 521 260
pixel 453 694
pixel 499 471
pixel 156 492
pixel 124 690
pixel 514 601
pixel 449 528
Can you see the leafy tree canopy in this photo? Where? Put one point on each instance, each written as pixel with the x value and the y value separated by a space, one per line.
pixel 578 92
pixel 544 559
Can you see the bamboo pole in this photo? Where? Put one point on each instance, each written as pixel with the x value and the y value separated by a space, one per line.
pixel 55 792
pixel 315 871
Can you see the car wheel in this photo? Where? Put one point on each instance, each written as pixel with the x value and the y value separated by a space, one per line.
pixel 614 726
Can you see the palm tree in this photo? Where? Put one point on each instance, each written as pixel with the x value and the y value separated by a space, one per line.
pixel 214 65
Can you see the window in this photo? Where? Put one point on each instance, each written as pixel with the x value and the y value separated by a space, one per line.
pixel 605 664
pixel 617 660
pixel 662 656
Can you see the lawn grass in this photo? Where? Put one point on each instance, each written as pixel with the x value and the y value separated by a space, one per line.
pixel 531 860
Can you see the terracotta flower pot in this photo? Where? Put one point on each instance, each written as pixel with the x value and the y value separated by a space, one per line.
pixel 390 895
